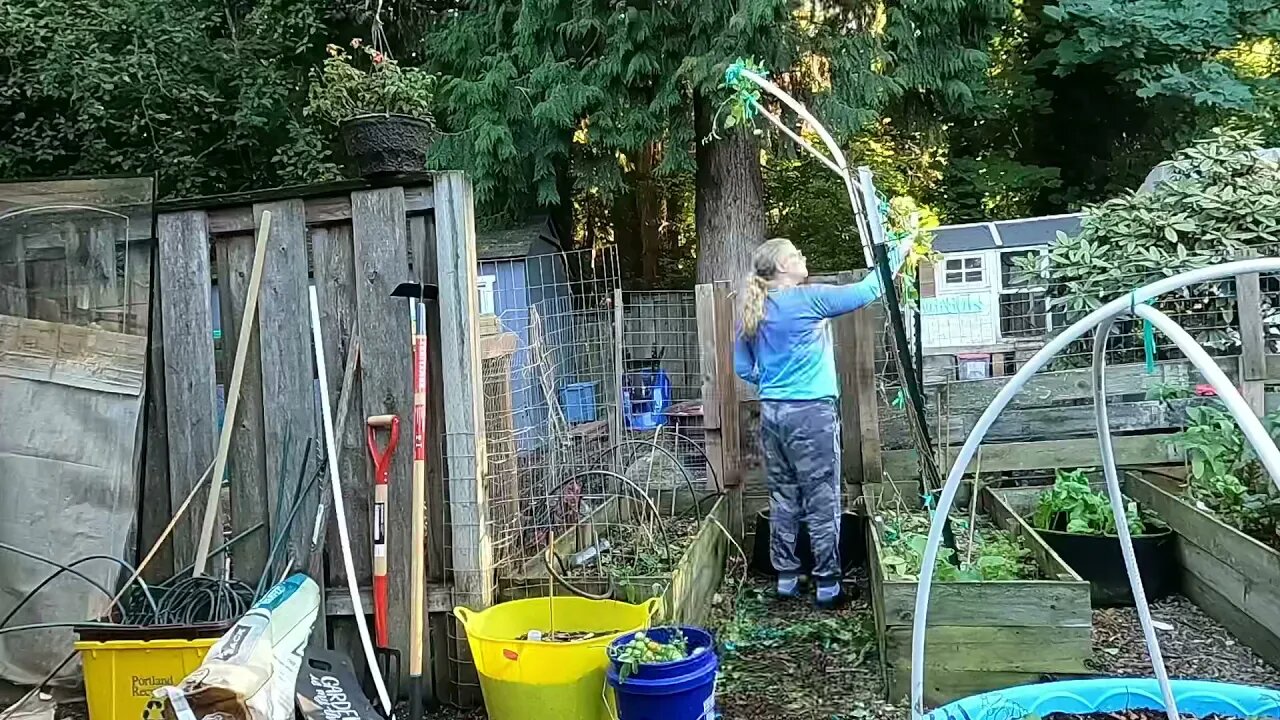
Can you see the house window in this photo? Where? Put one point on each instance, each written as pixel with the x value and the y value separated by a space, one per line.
pixel 484 284
pixel 964 272
pixel 1023 296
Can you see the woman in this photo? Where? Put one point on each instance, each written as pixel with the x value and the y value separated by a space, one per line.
pixel 784 348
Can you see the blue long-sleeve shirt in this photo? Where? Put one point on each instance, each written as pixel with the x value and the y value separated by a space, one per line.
pixel 792 356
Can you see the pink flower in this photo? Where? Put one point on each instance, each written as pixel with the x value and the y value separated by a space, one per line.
pixel 1206 391
pixel 378 58
pixel 355 42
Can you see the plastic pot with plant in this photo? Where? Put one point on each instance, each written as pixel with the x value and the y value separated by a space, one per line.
pixel 382 109
pixel 1075 519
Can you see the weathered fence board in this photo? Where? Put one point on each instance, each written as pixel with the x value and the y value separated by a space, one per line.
pixel 284 341
pixel 380 249
pixel 246 464
pixel 190 399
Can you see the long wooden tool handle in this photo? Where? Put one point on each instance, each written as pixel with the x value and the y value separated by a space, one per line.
pixel 417 562
pixel 233 397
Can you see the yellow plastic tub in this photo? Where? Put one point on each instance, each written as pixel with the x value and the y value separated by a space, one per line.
pixel 562 680
pixel 120 675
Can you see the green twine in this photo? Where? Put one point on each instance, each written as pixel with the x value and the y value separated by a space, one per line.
pixel 745 99
pixel 1148 335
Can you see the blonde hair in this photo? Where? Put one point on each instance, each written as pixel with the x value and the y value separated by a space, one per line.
pixel 764 263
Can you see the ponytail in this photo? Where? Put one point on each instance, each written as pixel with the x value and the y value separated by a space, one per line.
pixel 764 261
pixel 753 297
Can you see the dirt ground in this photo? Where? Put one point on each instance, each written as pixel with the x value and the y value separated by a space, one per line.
pixel 786 660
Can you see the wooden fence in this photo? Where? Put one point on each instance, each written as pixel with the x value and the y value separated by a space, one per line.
pixel 355 243
pixel 1050 423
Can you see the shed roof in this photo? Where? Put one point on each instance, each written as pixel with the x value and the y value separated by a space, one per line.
pixel 1023 232
pixel 516 241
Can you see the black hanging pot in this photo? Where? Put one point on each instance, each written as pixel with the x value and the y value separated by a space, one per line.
pixel 387 143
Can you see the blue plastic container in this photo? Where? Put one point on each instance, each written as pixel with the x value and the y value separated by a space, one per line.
pixel 1194 697
pixel 677 690
pixel 579 402
pixel 646 395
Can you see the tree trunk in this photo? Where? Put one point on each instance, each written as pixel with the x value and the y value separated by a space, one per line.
pixel 649 212
pixel 729 205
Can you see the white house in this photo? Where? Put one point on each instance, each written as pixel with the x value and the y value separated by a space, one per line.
pixel 976 311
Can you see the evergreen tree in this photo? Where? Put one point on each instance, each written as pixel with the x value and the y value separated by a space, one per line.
pixel 622 94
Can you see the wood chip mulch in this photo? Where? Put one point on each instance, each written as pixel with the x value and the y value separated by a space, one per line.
pixel 1194 646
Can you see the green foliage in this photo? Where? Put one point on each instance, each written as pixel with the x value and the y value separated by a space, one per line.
pixel 996 554
pixel 532 90
pixel 1181 49
pixel 1225 475
pixel 644 650
pixel 341 90
pixel 1220 201
pixel 1072 505
pixel 207 95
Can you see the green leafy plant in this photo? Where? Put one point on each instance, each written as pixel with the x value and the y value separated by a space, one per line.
pixel 995 555
pixel 1074 506
pixel 1221 200
pixel 1225 476
pixel 342 90
pixel 644 650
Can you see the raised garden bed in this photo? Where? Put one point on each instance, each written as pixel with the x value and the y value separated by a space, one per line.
pixel 1074 518
pixel 697 548
pixel 1233 577
pixel 984 635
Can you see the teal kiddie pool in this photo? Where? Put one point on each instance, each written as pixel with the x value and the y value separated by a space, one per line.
pixel 1193 697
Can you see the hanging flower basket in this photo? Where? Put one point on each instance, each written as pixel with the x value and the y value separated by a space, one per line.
pixel 387 143
pixel 382 110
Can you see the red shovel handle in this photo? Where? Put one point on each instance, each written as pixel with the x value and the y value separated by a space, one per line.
pixel 381 482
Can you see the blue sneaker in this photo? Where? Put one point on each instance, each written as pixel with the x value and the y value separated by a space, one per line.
pixel 830 596
pixel 788 586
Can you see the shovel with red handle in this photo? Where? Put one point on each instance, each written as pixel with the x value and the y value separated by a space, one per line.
pixel 388 657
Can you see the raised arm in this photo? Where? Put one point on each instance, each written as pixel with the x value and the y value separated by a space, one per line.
pixel 833 300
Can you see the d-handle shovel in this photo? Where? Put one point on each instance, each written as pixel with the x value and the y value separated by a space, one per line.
pixel 388 658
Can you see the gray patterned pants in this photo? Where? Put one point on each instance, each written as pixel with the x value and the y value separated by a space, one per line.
pixel 802 462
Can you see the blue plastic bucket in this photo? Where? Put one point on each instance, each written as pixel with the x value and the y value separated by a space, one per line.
pixel 1194 697
pixel 677 690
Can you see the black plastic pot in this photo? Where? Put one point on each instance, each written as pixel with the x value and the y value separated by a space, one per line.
pixel 387 144
pixel 1097 558
pixel 853 545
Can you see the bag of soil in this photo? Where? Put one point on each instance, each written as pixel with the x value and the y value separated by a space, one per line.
pixel 249 673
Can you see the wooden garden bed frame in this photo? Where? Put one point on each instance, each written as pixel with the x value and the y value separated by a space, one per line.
pixel 984 635
pixel 1234 578
pixel 687 592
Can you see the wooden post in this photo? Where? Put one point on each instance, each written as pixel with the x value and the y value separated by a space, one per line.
pixel 1253 341
pixel 865 430
pixel 714 307
pixel 380 246
pixel 190 395
pixel 847 355
pixel 464 420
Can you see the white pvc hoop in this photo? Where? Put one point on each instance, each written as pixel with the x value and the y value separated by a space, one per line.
pixel 835 162
pixel 1131 303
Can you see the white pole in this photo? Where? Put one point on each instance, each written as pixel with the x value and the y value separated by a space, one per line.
pixel 1266 450
pixel 339 510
